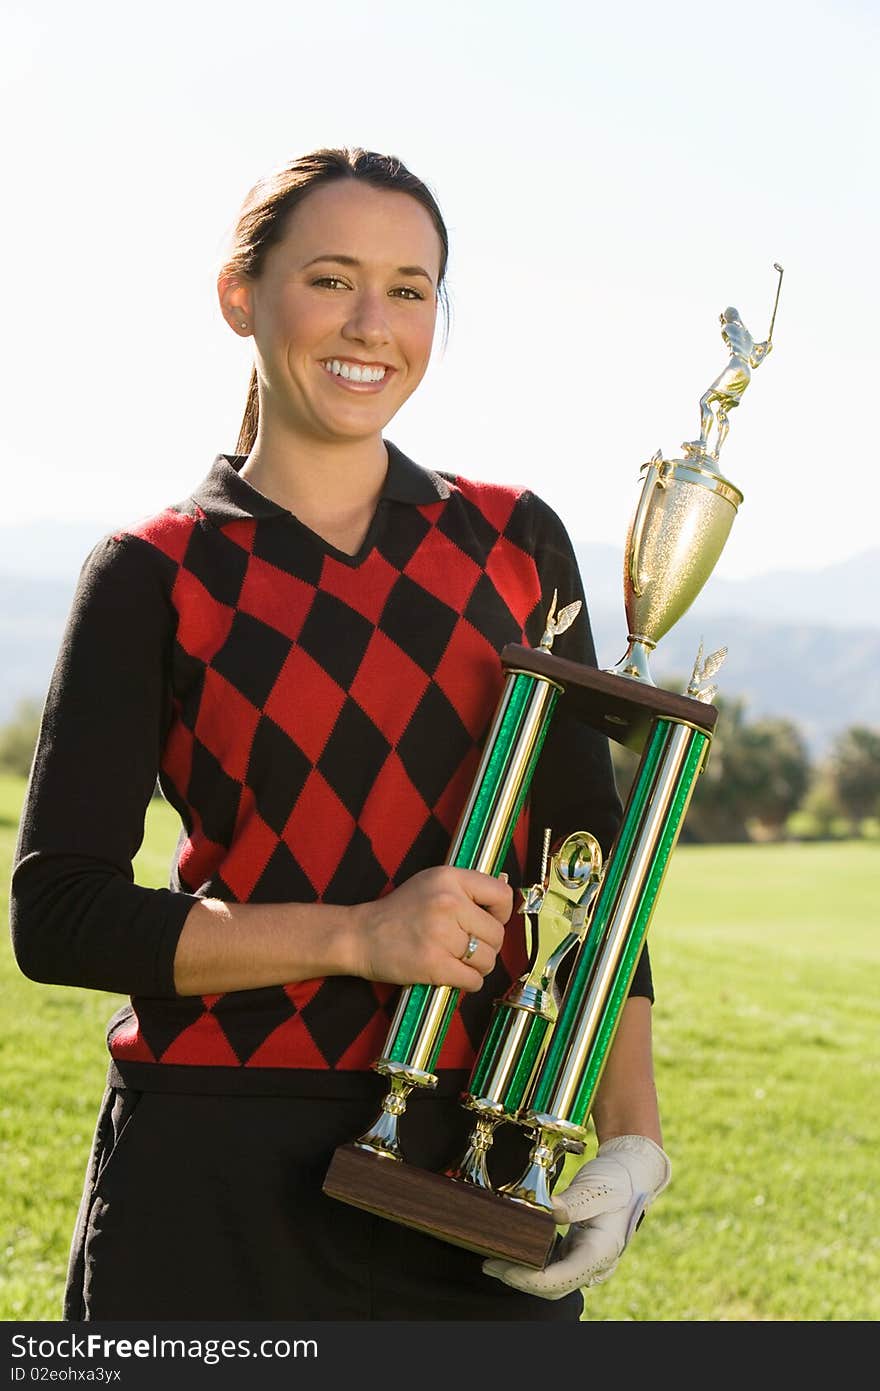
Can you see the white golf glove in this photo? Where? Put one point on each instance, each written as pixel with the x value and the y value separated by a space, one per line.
pixel 604 1203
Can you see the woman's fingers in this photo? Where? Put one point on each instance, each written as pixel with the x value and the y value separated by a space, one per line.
pixel 493 895
pixel 419 933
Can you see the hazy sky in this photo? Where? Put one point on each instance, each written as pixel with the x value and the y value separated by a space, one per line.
pixel 613 176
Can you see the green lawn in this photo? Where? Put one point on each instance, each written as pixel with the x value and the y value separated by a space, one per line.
pixel 766 971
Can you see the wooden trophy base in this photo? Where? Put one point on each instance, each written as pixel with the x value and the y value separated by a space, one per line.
pixel 619 707
pixel 453 1212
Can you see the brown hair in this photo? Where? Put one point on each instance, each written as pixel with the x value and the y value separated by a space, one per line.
pixel 263 220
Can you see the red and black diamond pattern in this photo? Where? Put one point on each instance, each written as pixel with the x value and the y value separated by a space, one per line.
pixel 328 717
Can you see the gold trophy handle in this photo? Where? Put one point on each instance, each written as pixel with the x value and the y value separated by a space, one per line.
pixel 652 480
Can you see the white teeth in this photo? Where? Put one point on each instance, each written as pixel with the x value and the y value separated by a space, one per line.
pixel 353 371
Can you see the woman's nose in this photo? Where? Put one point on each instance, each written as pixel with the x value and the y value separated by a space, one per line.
pixel 368 322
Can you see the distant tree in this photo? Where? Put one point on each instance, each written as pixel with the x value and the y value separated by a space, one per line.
pixel 755 777
pixel 775 773
pixel 854 766
pixel 819 816
pixel 18 738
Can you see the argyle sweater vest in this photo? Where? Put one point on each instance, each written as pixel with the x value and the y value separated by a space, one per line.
pixel 317 721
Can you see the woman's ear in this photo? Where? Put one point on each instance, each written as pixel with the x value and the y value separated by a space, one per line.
pixel 235 302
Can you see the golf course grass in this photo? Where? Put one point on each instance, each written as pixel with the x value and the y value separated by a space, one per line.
pixel 765 963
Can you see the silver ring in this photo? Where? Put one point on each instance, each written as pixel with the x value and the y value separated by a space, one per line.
pixel 473 943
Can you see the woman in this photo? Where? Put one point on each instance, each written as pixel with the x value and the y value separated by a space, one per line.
pixel 306 652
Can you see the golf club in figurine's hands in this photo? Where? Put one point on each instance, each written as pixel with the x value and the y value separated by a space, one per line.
pixel 540 1062
pixel 604 1205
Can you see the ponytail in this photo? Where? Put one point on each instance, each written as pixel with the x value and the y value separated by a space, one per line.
pixel 250 420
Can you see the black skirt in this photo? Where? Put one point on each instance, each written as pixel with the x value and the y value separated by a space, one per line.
pixel 210 1207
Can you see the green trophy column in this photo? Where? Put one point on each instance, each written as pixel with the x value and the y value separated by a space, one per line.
pixel 481 841
pixel 559 1104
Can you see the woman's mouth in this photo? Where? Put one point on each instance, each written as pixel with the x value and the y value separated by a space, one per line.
pixel 356 374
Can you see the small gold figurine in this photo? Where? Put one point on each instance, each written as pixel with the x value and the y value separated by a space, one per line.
pixel 725 392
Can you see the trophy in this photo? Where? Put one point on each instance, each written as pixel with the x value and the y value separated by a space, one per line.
pixel 542 1056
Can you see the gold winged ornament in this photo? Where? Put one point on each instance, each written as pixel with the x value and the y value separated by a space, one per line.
pixel 558 622
pixel 702 672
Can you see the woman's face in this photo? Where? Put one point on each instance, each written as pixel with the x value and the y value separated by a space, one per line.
pixel 343 314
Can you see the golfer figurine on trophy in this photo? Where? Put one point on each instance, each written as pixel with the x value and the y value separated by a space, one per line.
pixel 542 1057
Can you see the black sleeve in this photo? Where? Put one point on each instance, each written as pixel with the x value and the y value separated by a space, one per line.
pixel 77 917
pixel 574 787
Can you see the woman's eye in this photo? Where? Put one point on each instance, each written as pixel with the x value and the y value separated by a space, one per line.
pixel 335 282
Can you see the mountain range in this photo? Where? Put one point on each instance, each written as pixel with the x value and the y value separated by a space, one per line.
pixel 802 645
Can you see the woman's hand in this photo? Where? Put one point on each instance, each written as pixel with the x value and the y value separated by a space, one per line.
pixel 604 1204
pixel 420 932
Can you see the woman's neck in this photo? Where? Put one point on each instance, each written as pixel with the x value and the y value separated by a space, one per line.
pixel 333 490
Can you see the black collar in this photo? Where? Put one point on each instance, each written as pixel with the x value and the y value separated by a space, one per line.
pixel 224 496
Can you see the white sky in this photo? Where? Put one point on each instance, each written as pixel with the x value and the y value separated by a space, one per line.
pixel 612 175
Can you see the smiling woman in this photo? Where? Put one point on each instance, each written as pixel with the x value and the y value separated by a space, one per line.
pixel 341 174
pixel 333 321
pixel 343 329
pixel 305 651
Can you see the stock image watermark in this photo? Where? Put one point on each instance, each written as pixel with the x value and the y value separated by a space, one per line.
pixel 87 1356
